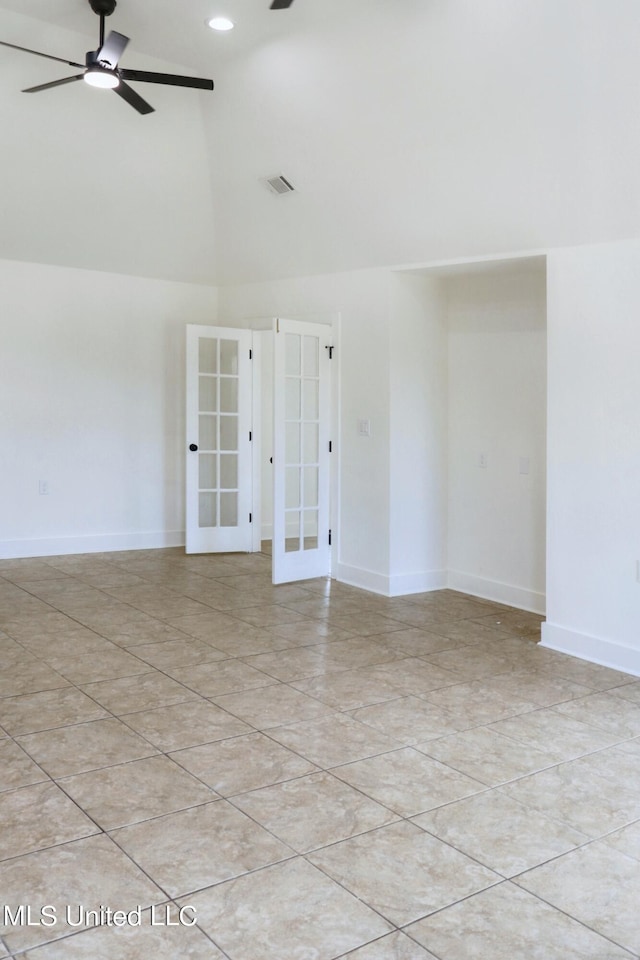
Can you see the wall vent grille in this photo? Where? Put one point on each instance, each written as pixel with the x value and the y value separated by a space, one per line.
pixel 279 185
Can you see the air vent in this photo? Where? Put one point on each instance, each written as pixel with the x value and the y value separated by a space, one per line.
pixel 279 185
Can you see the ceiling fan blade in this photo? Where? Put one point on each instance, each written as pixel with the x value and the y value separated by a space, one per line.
pixel 132 98
pixel 54 83
pixel 281 4
pixel 172 79
pixel 113 48
pixel 37 53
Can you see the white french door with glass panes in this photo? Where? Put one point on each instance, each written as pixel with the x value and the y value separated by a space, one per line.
pixel 301 537
pixel 219 467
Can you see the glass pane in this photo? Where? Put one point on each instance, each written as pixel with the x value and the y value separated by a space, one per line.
pixel 228 509
pixel 292 487
pixel 311 486
pixel 292 355
pixel 208 439
pixel 207 471
pixel 311 530
pixel 292 443
pixel 228 471
pixel 207 510
pixel 310 432
pixel 311 404
pixel 208 355
pixel 310 347
pixel 291 399
pixel 229 357
pixel 228 395
pixel 292 532
pixel 208 399
pixel 228 433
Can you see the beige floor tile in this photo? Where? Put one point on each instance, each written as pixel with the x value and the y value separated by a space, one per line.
pixel 574 884
pixel 417 643
pixel 170 607
pixel 595 794
pixel 402 872
pixel 333 740
pixel 471 662
pixel 313 811
pixel 395 946
pixel 488 756
pixel 505 923
pixel 106 617
pixel 44 711
pixel 132 943
pixel 468 631
pixel 178 653
pixel 297 663
pixel 144 692
pixel 267 615
pixel 628 691
pixel 131 792
pixel 409 719
pixel 18 769
pixel 224 676
pixel 39 816
pixel 272 706
pixel 368 624
pixel 137 633
pixel 559 736
pixel 68 643
pixel 605 712
pixel 86 746
pixel 242 763
pixel 501 833
pixel 29 676
pixel 91 873
pixel 186 724
pixel 413 676
pixel 303 632
pixel 590 674
pixel 104 665
pixel 349 689
pixel 407 782
pixel 475 702
pixel 519 624
pixel 539 688
pixel 290 910
pixel 196 848
pixel 626 840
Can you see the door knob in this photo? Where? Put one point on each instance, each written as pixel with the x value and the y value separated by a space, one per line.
pixel 193 447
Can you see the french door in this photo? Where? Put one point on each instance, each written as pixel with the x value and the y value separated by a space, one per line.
pixel 301 536
pixel 218 466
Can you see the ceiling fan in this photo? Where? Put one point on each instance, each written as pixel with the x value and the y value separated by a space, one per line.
pixel 101 66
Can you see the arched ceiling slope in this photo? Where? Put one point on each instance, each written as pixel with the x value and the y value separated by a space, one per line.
pixel 412 130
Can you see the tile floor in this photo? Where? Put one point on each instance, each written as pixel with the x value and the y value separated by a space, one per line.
pixel 311 771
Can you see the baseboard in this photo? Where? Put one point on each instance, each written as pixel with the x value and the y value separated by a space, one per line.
pixel 397 585
pixel 495 590
pixel 106 543
pixel 594 649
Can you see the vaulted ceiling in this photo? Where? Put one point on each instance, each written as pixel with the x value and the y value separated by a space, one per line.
pixel 412 130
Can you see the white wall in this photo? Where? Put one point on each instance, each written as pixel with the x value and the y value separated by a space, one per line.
pixel 361 302
pixel 92 402
pixel 418 434
pixel 593 596
pixel 497 408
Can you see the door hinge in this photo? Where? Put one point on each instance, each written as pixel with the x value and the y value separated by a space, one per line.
pixel 329 537
pixel 330 349
pixel 330 446
pixel 250 354
pixel 250 436
pixel 250 518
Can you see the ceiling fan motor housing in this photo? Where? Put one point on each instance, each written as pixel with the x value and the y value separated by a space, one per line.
pixel 103 8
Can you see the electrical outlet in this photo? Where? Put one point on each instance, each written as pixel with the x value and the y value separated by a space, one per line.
pixel 483 460
pixel 364 428
pixel 43 488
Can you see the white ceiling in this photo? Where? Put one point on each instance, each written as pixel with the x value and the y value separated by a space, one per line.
pixel 413 130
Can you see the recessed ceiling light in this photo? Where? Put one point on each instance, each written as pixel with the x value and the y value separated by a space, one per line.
pixel 220 23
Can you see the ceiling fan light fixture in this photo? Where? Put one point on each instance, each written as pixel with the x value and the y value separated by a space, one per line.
pixel 106 79
pixel 221 24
